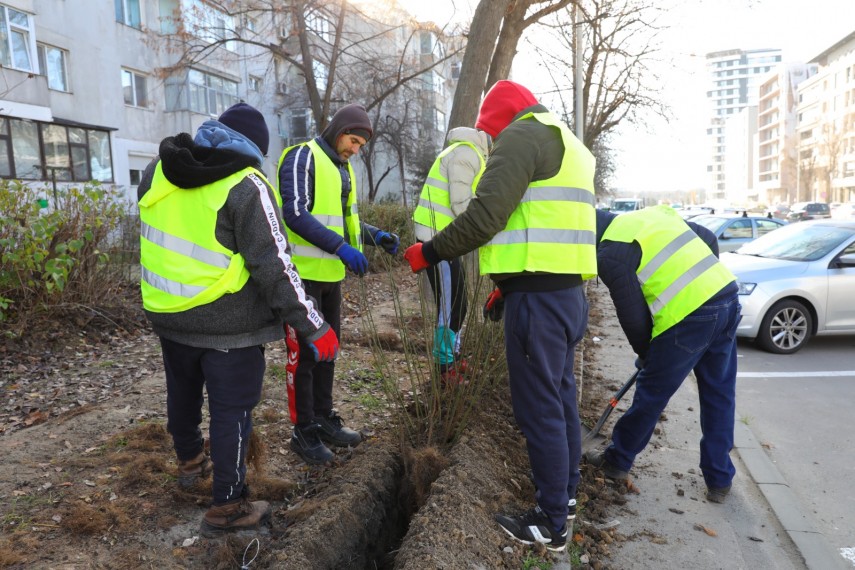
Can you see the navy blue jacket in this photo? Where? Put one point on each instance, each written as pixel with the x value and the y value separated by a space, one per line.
pixel 617 263
pixel 297 186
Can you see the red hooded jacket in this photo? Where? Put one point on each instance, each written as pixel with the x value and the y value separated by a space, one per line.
pixel 501 104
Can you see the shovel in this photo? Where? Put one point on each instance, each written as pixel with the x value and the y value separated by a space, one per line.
pixel 592 438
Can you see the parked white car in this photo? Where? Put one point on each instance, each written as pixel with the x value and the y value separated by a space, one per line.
pixel 732 232
pixel 845 211
pixel 796 282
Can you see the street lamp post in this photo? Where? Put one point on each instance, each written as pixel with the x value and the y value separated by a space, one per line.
pixel 579 110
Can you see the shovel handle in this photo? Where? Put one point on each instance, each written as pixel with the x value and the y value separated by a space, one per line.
pixel 613 401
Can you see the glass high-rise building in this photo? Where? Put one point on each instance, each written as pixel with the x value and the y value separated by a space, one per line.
pixel 734 77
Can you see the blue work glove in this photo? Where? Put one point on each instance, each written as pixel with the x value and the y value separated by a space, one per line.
pixel 353 258
pixel 640 362
pixel 387 241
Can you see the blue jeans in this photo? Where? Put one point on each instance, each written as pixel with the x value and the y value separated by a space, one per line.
pixel 541 333
pixel 704 341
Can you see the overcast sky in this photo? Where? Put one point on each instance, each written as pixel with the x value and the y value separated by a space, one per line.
pixel 674 156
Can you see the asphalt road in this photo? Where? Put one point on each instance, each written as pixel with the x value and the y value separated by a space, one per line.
pixel 800 409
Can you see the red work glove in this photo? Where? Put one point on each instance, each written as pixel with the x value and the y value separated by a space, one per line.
pixel 495 306
pixel 326 347
pixel 416 258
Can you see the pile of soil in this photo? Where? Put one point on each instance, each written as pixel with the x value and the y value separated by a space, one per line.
pixel 88 479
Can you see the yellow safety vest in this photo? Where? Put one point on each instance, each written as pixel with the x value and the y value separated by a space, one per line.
pixel 312 262
pixel 434 207
pixel 678 272
pixel 553 228
pixel 183 264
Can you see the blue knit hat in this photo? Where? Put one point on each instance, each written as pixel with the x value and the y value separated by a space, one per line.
pixel 249 122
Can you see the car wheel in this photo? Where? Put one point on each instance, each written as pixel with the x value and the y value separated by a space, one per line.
pixel 786 328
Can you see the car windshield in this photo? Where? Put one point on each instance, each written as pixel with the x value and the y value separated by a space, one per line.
pixel 797 242
pixel 712 223
pixel 624 205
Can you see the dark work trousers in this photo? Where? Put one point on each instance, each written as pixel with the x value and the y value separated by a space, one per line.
pixel 542 330
pixel 448 282
pixel 704 341
pixel 310 383
pixel 233 380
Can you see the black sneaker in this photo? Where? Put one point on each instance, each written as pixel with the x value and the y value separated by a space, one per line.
pixel 333 432
pixel 571 504
pixel 534 526
pixel 717 495
pixel 306 442
pixel 598 459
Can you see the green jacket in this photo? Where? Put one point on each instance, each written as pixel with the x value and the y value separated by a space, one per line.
pixel 525 151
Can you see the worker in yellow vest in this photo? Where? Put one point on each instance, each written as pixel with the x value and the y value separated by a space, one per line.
pixel 319 204
pixel 679 308
pixel 217 283
pixel 532 221
pixel 447 190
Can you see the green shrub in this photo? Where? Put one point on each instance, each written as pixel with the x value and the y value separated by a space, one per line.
pixel 58 255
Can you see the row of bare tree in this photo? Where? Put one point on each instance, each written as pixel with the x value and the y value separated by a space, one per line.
pixel 619 82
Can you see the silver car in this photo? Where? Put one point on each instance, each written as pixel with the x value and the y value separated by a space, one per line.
pixel 796 282
pixel 732 232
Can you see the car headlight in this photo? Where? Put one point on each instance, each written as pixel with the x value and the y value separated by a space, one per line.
pixel 745 288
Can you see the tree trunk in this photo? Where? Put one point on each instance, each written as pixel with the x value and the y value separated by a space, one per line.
pixel 480 45
pixel 513 26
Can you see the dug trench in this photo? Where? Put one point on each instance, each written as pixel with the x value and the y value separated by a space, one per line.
pixel 91 483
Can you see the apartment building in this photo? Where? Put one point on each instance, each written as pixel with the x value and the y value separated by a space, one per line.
pixel 776 155
pixel 89 89
pixel 733 77
pixel 826 126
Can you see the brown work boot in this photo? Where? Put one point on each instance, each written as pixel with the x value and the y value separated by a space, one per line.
pixel 192 470
pixel 242 514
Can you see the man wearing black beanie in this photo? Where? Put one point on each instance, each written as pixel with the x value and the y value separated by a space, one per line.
pixel 319 196
pixel 217 283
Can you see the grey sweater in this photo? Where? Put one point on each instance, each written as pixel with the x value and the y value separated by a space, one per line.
pixel 249 223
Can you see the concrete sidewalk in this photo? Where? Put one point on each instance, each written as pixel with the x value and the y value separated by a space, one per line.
pixel 671 524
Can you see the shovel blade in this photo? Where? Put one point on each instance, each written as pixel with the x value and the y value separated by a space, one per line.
pixel 590 440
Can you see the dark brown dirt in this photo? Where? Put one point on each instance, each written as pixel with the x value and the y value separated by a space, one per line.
pixel 88 477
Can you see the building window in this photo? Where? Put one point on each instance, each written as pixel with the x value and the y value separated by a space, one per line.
pixel 52 62
pixel 254 83
pixel 16 39
pixel 31 150
pixel 200 92
pixel 455 70
pixel 134 89
pixel 128 13
pixel 322 74
pixel 296 125
pixel 210 24
pixel 426 43
pixel 135 176
pixel 320 25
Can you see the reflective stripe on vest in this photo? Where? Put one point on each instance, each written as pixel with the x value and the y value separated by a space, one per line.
pixel 183 264
pixel 312 262
pixel 678 272
pixel 553 228
pixel 434 207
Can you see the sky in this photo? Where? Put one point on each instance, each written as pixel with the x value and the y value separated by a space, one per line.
pixel 673 156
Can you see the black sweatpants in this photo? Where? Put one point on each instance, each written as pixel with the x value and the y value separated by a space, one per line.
pixel 233 380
